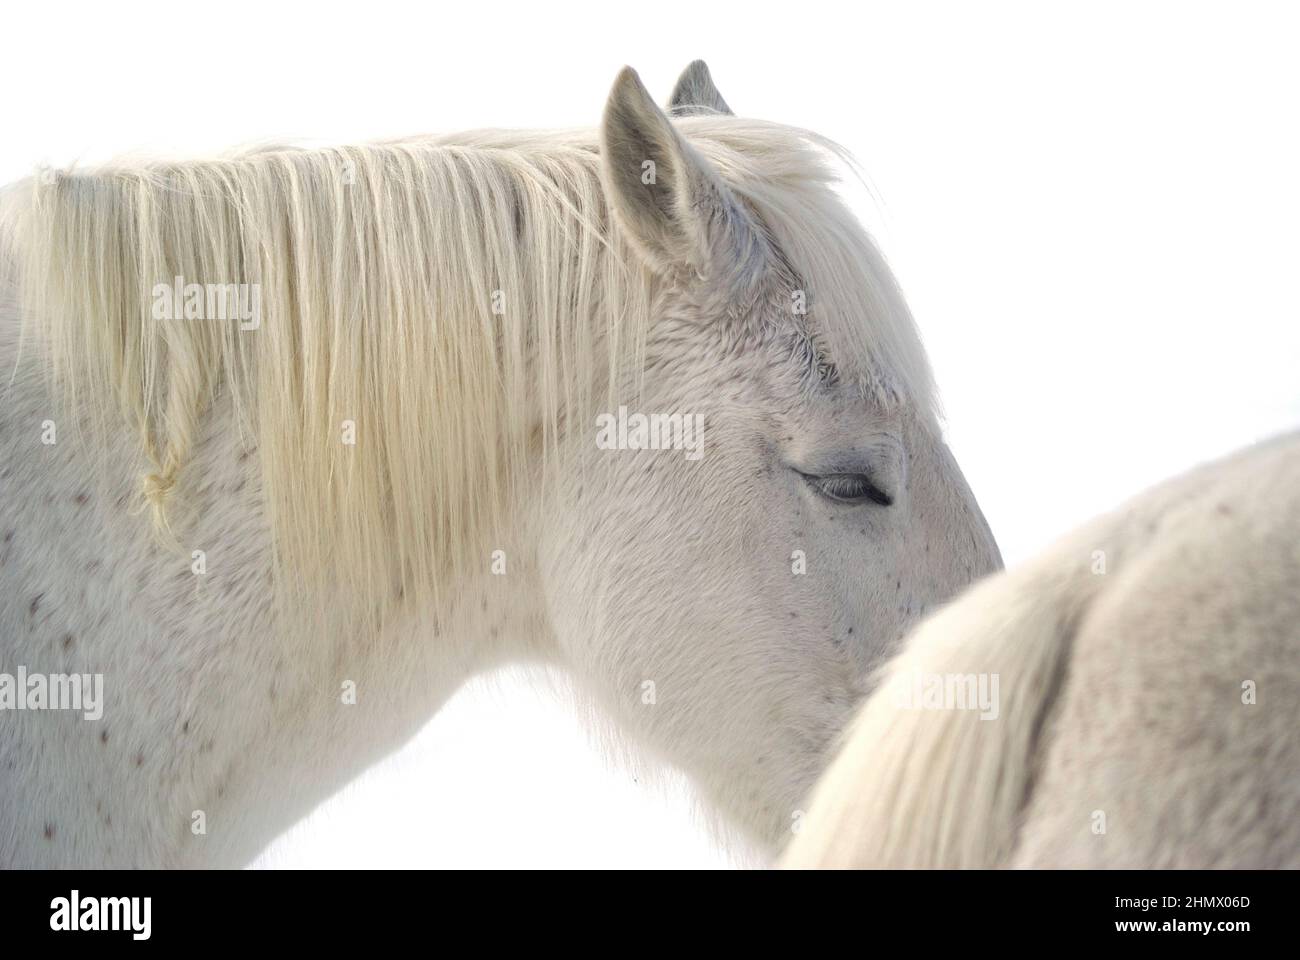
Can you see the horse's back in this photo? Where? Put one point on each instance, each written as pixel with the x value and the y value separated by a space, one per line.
pixel 1175 741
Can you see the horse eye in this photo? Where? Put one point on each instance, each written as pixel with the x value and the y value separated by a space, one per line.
pixel 850 488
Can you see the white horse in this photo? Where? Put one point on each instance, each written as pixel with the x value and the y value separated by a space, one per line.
pixel 644 404
pixel 1148 699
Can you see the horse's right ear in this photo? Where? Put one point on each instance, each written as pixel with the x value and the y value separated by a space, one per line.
pixel 668 199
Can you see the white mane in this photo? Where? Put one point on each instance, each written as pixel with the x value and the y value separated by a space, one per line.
pixel 457 298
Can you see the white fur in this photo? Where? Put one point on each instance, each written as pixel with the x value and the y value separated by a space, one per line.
pixel 1125 738
pixel 373 564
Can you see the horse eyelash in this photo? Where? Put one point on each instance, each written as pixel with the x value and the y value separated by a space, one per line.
pixel 871 491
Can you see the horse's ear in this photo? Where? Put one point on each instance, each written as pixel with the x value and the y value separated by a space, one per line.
pixel 667 198
pixel 695 93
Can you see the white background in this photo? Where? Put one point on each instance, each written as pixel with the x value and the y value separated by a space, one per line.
pixel 1093 208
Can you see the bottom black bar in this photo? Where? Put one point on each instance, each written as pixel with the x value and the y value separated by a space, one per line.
pixel 333 909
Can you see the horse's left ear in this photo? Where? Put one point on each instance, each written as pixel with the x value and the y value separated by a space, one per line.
pixel 669 199
pixel 696 93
